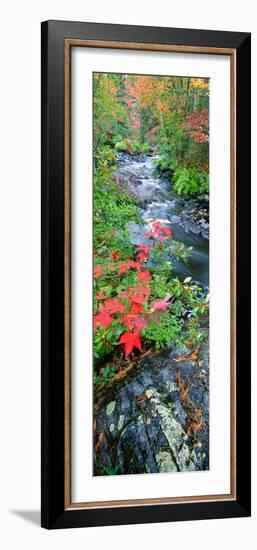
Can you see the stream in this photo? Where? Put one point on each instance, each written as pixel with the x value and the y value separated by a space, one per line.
pixel 144 424
pixel 158 201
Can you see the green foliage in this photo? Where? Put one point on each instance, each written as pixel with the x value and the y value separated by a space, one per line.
pixel 165 331
pixel 195 332
pixel 122 146
pixel 113 211
pixel 189 181
pixel 164 163
pixel 105 374
pixel 105 156
pixel 132 146
pixel 173 145
pixel 105 340
pixel 110 114
pixel 172 326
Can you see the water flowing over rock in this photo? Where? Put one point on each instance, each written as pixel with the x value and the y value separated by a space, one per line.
pixel 188 218
pixel 156 419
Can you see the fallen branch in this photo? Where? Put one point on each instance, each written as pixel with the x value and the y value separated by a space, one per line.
pixel 118 376
pixel 188 357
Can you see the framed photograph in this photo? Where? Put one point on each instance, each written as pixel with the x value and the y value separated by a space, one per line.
pixel 145 274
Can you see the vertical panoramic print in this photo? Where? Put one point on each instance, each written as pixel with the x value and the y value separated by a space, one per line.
pixel 151 274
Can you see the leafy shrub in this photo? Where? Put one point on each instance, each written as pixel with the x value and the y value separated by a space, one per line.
pixel 121 146
pixel 164 163
pixel 132 146
pixel 190 181
pixel 165 331
pixel 106 374
pixel 136 302
pixel 105 156
pixel 144 148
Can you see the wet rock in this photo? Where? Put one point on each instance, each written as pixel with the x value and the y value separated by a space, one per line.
pixel 137 173
pixel 195 220
pixel 145 424
pixel 204 198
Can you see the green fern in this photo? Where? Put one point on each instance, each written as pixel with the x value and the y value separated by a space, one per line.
pixel 190 181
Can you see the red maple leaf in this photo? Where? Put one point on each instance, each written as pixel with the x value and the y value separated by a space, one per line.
pixel 166 231
pixel 156 230
pixel 155 224
pixel 144 248
pixel 140 323
pixel 124 294
pixel 141 289
pixel 142 256
pixel 131 341
pixel 128 265
pixel 103 319
pixel 123 268
pixel 136 308
pixel 128 320
pixel 138 298
pixel 161 304
pixel 115 255
pixel 144 276
pixel 136 322
pixel 113 306
pixel 98 271
pixel 198 123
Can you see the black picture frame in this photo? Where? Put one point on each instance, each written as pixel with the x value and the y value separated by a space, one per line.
pixel 54 514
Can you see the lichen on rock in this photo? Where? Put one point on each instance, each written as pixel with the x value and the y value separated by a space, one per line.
pixel 110 408
pixel 146 422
